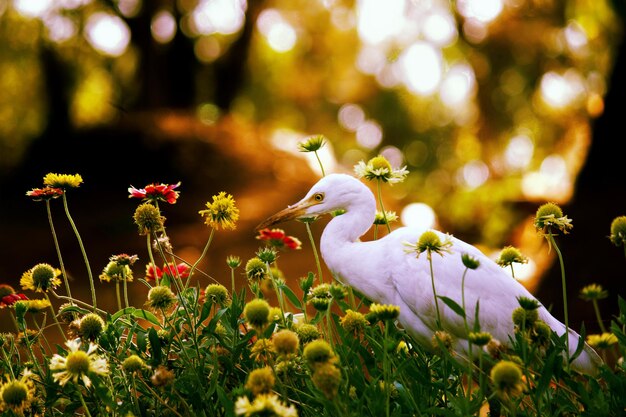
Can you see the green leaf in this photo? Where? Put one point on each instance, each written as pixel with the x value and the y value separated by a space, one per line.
pixel 476 317
pixel 138 313
pixel 155 346
pixel 291 296
pixel 454 306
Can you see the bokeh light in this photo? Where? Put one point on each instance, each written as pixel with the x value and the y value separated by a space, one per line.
pixel 418 215
pixel 107 33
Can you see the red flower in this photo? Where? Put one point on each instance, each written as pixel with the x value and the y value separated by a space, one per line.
pixel 170 270
pixel 156 192
pixel 46 193
pixel 9 300
pixel 278 239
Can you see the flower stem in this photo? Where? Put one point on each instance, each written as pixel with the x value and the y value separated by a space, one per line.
pixel 151 256
pixel 82 401
pixel 55 317
pixel 58 249
pixel 564 287
pixel 117 294
pixel 469 343
pixel 204 251
pixel 598 316
pixel 432 281
pixel 382 207
pixel 317 258
pixel 82 249
pixel 319 161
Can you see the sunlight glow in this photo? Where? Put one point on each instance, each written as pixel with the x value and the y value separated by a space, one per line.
pixel 519 153
pixel 418 215
pixel 280 35
pixel 552 181
pixel 32 8
pixel 107 33
pixel 369 134
pixel 60 28
pixel 440 28
pixel 482 10
pixel 351 116
pixel 473 174
pixel 560 91
pixel 219 16
pixel 378 21
pixel 458 86
pixel 163 26
pixel 421 66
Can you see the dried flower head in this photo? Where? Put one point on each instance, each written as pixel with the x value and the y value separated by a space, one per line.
pixel 510 255
pixel 479 338
pixel 156 192
pixel 133 364
pixel 148 219
pixel 233 261
pixel 442 340
pixel 44 194
pixel 256 269
pixel 353 322
pixel 318 352
pixel 312 143
pixel 523 318
pixel 267 255
pixel 263 351
pixel 277 238
pixel 162 376
pixel 550 216
pixel 257 313
pixel 91 327
pixel 528 303
pixel 261 380
pixel 41 278
pixel 221 213
pixel 386 217
pixel 16 395
pixel 540 334
pixel 286 342
pixel 217 294
pixel 62 181
pixel 602 341
pixel 327 378
pixel 379 168
pixel 430 242
pixel 469 261
pixel 593 292
pixel 115 271
pixel 320 297
pixel 618 231
pixel 160 297
pixel 78 364
pixel 384 312
pixel 307 332
pixel 506 377
pixel 264 405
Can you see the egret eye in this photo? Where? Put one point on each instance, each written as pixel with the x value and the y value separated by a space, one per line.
pixel 318 197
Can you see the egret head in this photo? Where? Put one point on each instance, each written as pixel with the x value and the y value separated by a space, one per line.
pixel 333 192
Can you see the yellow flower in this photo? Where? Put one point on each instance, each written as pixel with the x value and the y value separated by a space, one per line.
pixel 385 217
pixel 379 168
pixel 353 321
pixel 116 272
pixel 62 180
pixel 327 378
pixel 78 364
pixel 148 219
pixel 549 215
pixel 221 213
pixel 602 341
pixel 17 394
pixel 618 231
pixel 36 306
pixel 262 351
pixel 507 379
pixel 509 255
pixel 430 242
pixel 384 312
pixel 264 405
pixel 261 381
pixel 593 292
pixel 312 143
pixel 286 342
pixel 41 278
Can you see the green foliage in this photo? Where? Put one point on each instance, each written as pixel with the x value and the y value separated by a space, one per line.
pixel 195 358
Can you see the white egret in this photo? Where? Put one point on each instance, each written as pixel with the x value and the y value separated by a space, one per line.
pixel 384 272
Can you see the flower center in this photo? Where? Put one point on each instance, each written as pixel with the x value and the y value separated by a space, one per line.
pixel 15 393
pixel 42 276
pixel 77 363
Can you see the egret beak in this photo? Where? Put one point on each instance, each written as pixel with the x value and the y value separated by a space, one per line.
pixel 292 212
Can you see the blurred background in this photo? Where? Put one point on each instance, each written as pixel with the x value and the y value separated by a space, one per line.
pixel 494 106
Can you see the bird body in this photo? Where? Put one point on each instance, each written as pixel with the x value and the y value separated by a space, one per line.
pixel 387 273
